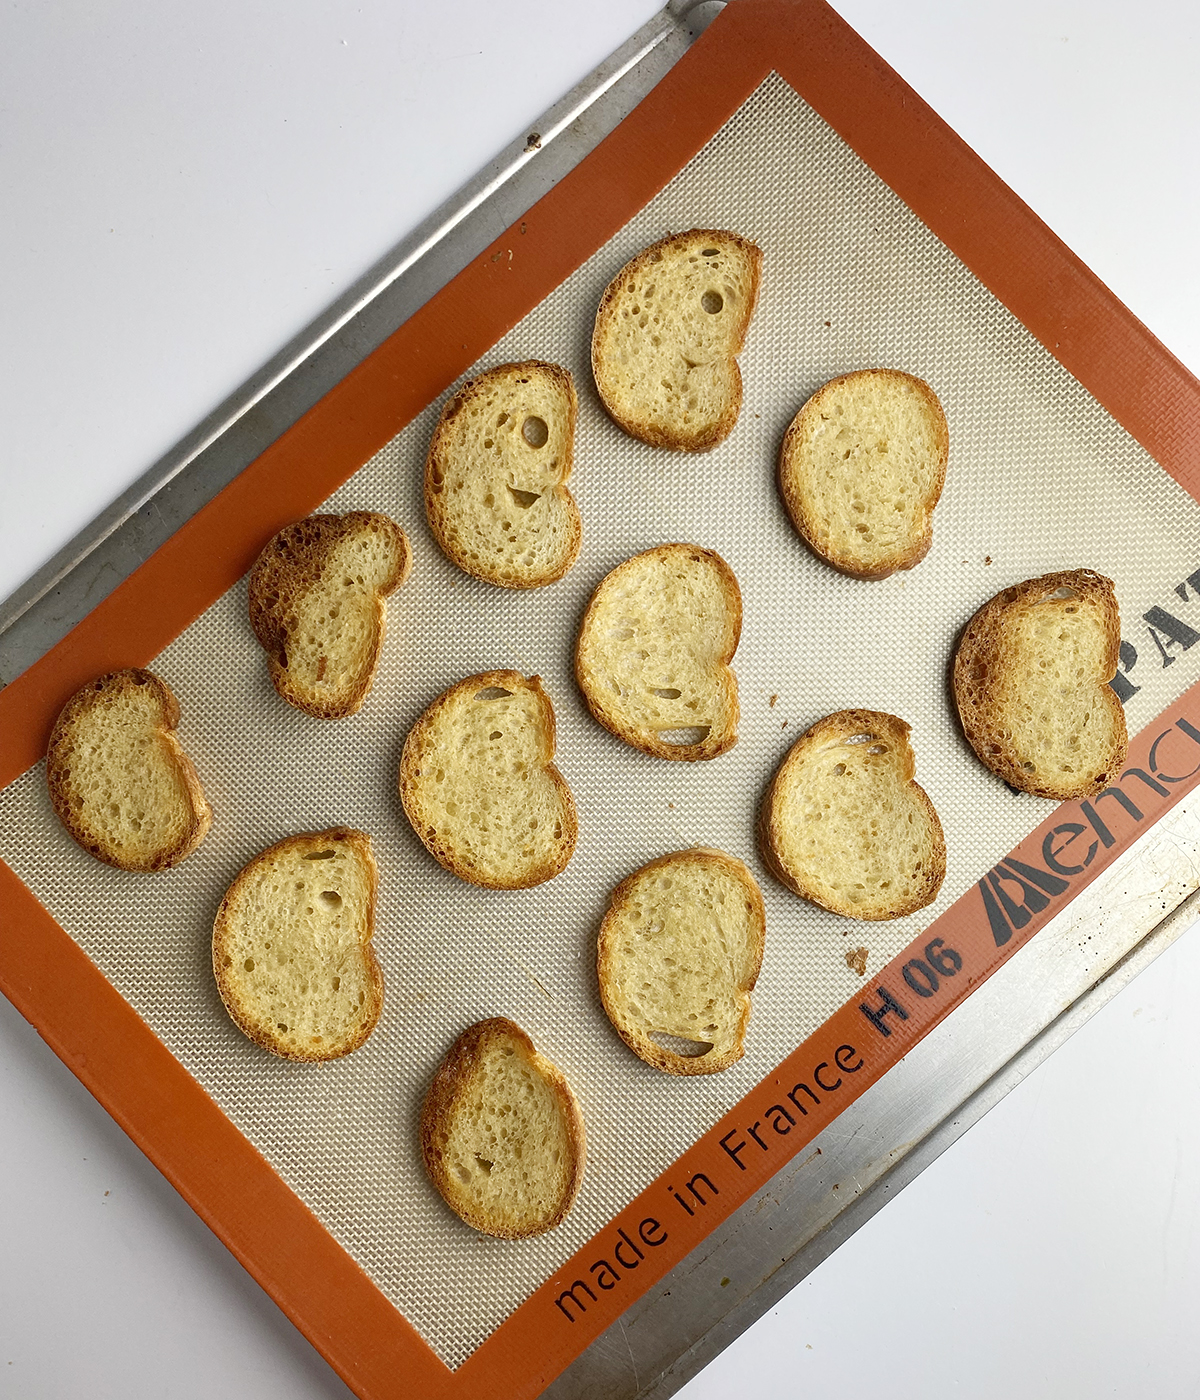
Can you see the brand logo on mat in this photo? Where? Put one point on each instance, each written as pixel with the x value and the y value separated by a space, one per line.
pixel 1168 633
pixel 1015 890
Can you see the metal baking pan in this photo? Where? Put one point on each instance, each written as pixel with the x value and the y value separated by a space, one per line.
pixel 948 1079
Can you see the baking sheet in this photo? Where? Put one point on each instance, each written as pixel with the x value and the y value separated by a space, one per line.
pixel 1040 477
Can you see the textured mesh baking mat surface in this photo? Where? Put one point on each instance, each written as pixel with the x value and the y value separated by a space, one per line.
pixel 1040 478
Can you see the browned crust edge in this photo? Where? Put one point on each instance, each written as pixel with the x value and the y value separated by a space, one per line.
pixel 58 770
pixel 410 784
pixel 440 1106
pixel 717 741
pixel 977 648
pixel 275 578
pixel 434 507
pixel 793 499
pixel 848 722
pixel 716 433
pixel 642 1045
pixel 360 842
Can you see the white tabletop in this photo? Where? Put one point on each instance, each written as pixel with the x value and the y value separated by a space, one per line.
pixel 183 190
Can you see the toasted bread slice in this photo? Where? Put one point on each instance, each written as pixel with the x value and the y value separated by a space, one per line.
pixel 119 779
pixel 292 946
pixel 502 1135
pixel 495 477
pixel 679 953
pixel 654 651
pixel 316 605
pixel 667 333
pixel 845 826
pixel 1031 682
pixel 861 469
pixel 479 785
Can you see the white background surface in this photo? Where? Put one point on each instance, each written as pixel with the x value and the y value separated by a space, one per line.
pixel 180 191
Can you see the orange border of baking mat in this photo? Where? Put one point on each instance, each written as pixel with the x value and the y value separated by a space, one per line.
pixel 98 1035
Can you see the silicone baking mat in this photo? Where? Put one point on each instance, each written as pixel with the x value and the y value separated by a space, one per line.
pixel 1040 478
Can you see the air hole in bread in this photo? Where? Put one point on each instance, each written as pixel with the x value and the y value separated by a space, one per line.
pixel 877 748
pixel 859 739
pixel 695 734
pixel 320 855
pixel 535 432
pixel 524 498
pixel 1063 592
pixel 249 964
pixel 496 734
pixel 331 899
pixel 710 252
pixel 712 302
pixel 1028 767
pixel 485 1164
pixel 667 694
pixel 838 770
pixel 492 692
pixel 677 1045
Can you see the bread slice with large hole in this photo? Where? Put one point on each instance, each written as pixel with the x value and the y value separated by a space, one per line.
pixel 678 955
pixel 316 606
pixel 862 467
pixel 654 650
pixel 502 1136
pixel 291 946
pixel 1031 682
pixel 845 825
pixel 667 334
pixel 496 474
pixel 118 777
pixel 479 785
